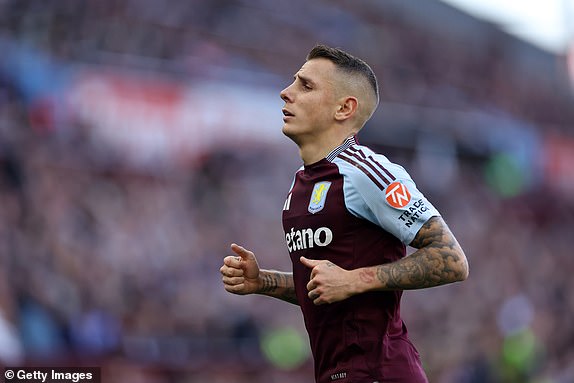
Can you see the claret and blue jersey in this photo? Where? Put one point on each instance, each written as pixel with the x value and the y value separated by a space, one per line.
pixel 356 209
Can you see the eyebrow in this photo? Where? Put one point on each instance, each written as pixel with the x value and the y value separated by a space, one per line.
pixel 303 79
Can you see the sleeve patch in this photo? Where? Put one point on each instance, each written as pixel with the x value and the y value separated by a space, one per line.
pixel 397 195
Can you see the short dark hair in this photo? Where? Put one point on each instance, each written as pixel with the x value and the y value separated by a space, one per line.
pixel 346 62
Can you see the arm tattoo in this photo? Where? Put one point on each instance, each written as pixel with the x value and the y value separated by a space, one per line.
pixel 269 283
pixel 279 285
pixel 438 260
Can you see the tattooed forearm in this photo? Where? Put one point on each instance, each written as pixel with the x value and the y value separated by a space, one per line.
pixel 289 296
pixel 269 283
pixel 367 276
pixel 278 285
pixel 438 260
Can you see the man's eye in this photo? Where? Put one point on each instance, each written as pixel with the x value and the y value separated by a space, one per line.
pixel 307 86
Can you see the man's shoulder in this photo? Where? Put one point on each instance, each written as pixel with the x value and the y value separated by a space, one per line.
pixel 361 164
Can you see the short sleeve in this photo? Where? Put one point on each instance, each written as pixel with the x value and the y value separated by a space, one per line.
pixel 384 193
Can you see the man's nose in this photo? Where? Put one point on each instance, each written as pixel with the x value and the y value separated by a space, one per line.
pixel 285 94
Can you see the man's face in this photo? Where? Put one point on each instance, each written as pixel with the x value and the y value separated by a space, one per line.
pixel 310 101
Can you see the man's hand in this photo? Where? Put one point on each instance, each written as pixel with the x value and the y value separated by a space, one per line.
pixel 329 283
pixel 240 272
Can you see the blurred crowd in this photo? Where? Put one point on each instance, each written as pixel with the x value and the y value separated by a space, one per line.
pixel 103 264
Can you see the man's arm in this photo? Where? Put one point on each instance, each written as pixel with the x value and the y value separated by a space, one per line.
pixel 439 260
pixel 278 284
pixel 241 275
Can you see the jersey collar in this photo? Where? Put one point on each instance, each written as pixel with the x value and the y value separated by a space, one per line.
pixel 341 148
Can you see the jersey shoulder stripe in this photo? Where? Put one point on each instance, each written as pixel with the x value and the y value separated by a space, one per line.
pixel 368 162
pixel 359 166
pixel 374 161
pixel 363 159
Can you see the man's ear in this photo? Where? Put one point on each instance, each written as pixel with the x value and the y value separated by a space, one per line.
pixel 347 108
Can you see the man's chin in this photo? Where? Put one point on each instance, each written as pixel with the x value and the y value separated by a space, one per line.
pixel 288 131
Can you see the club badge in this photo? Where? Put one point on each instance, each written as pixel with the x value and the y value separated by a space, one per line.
pixel 318 196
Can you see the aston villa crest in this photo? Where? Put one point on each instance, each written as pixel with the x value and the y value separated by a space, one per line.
pixel 318 197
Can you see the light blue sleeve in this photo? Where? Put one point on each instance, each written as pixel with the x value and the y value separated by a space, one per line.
pixel 390 200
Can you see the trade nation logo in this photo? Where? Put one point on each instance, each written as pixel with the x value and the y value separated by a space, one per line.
pixel 397 195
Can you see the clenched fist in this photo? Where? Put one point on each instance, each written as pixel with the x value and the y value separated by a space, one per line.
pixel 240 272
